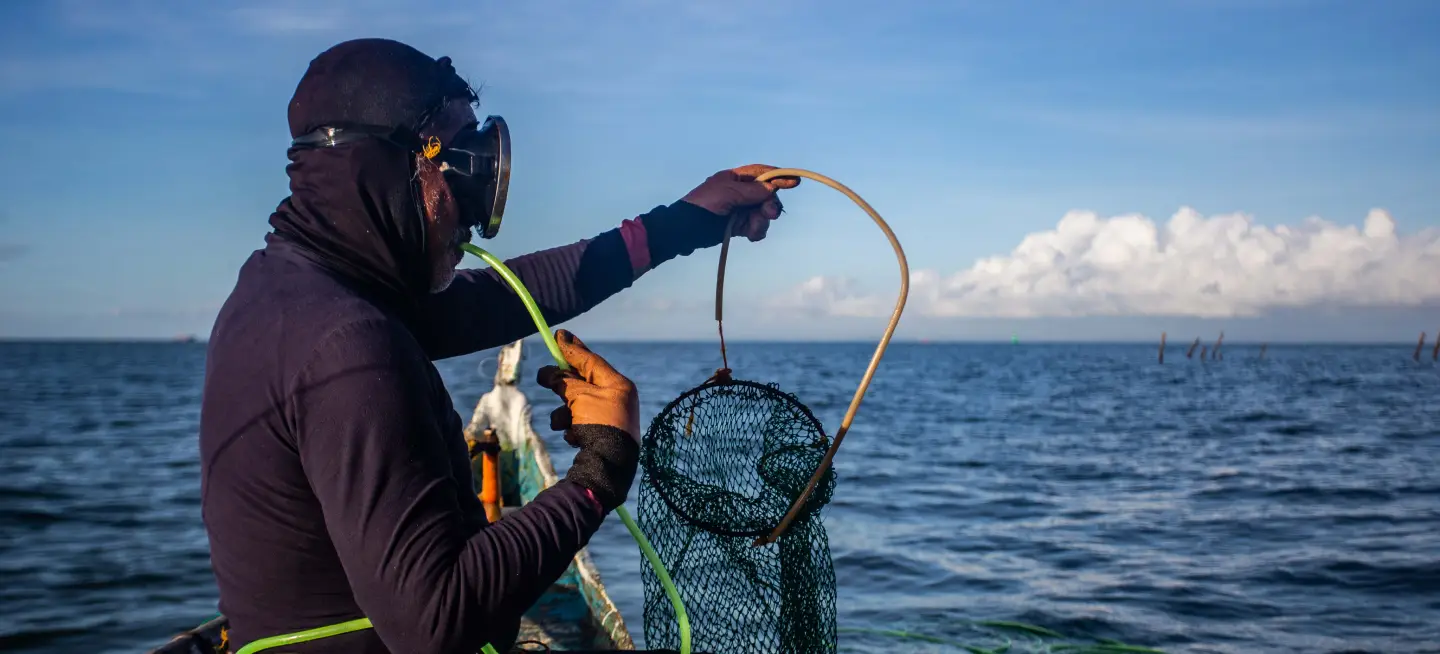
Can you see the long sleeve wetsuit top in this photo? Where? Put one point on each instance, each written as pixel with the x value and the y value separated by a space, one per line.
pixel 336 480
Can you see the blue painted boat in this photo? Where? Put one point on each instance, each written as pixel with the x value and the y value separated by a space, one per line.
pixel 575 613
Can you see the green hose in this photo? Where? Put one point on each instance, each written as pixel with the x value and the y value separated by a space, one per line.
pixel 307 635
pixel 655 563
pixel 317 633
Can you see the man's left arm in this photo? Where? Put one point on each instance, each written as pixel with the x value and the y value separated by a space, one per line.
pixel 480 311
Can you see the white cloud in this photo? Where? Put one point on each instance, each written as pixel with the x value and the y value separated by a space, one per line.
pixel 1215 267
pixel 837 296
pixel 283 20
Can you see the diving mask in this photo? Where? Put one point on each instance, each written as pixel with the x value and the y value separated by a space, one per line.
pixel 476 163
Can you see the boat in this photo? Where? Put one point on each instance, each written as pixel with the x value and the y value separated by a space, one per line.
pixel 575 613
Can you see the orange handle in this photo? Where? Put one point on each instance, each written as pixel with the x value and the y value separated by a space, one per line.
pixel 490 485
pixel 489 450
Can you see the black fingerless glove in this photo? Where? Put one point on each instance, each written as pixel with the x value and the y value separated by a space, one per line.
pixel 605 464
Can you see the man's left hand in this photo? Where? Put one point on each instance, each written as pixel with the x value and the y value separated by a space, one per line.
pixel 735 192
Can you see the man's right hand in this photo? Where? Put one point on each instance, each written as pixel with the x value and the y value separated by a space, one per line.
pixel 593 392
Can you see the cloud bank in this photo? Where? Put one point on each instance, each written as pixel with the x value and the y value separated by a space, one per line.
pixel 1217 267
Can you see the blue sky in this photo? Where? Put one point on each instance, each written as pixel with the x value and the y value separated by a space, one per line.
pixel 145 148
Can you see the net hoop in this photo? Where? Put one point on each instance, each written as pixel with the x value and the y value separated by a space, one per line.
pixel 652 467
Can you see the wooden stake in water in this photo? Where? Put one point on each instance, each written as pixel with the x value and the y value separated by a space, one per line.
pixel 1203 350
pixel 1435 353
pixel 1421 345
pixel 1215 353
pixel 1192 347
pixel 1162 347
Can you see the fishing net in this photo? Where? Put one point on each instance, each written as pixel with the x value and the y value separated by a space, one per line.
pixel 723 464
pixel 734 476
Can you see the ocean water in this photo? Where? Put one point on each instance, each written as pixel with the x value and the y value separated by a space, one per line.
pixel 1290 504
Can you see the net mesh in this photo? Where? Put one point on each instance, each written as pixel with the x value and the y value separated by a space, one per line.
pixel 723 463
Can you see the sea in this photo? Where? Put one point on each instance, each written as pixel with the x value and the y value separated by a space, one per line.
pixel 1282 503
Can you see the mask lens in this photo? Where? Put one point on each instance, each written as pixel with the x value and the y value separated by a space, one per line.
pixel 456 161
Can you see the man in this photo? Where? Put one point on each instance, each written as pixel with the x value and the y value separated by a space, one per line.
pixel 335 480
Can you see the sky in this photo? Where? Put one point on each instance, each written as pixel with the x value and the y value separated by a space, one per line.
pixel 1054 170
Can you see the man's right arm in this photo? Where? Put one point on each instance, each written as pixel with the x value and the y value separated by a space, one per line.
pixel 376 459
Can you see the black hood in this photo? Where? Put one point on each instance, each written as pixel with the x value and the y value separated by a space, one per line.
pixel 355 207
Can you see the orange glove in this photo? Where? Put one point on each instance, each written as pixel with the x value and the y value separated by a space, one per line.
pixel 601 416
pixel 735 191
pixel 594 393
